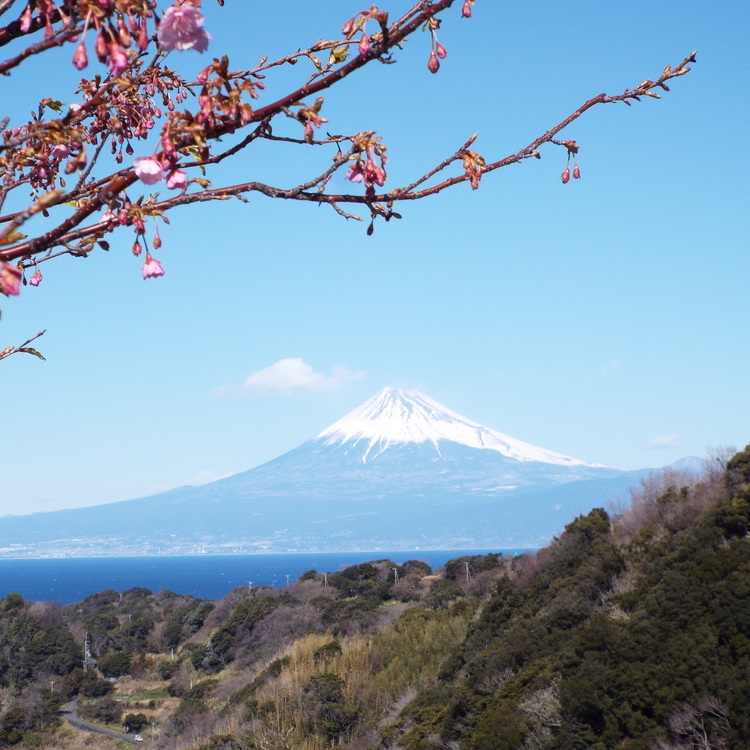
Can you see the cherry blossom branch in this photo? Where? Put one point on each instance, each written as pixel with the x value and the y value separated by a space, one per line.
pixel 57 39
pixel 23 348
pixel 399 31
pixel 389 38
pixel 222 113
pixel 303 191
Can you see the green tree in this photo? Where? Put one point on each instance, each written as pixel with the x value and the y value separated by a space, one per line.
pixel 134 722
pixel 114 664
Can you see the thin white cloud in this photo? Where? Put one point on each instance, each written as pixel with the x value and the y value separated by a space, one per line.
pixel 665 441
pixel 206 476
pixel 289 376
pixel 609 366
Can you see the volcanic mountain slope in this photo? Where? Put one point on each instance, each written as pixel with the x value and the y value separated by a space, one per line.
pixel 400 471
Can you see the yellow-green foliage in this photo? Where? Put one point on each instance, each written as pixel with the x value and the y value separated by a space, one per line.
pixel 411 651
pixel 377 669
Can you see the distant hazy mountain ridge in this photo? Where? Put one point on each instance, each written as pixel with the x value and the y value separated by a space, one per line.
pixel 399 472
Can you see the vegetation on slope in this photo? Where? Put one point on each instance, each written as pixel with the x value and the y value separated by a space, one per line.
pixel 630 632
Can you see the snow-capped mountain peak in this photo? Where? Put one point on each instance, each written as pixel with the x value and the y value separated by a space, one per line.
pixel 397 416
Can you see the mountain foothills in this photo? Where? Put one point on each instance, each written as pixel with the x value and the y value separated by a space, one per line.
pixel 399 472
pixel 628 632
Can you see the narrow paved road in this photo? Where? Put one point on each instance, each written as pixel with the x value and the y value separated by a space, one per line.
pixel 70 715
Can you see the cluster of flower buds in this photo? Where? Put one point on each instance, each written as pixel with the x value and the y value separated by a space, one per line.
pixel 565 176
pixel 115 35
pixel 474 165
pixel 368 170
pixel 310 116
pixel 36 278
pixel 358 23
pixel 127 214
pixel 437 51
pixel 573 149
pixel 220 98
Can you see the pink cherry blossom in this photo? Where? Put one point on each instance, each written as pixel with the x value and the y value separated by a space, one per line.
pixel 177 180
pixel 118 60
pixel 356 173
pixel 374 174
pixel 36 278
pixel 181 29
pixel 576 172
pixel 565 176
pixel 60 151
pixel 148 170
pixel 10 279
pixel 151 268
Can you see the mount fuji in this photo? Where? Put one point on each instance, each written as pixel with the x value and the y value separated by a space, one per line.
pixel 399 472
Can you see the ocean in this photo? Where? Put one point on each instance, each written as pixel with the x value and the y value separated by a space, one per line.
pixel 66 580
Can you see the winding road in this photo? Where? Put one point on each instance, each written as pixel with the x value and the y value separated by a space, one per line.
pixel 71 716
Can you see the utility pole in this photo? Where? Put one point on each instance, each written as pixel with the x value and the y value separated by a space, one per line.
pixel 86 653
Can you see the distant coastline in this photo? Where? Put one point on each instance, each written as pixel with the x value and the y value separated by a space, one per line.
pixel 71 579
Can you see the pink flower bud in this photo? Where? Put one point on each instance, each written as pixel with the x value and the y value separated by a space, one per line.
pixel 565 176
pixel 123 33
pixel 364 44
pixel 137 248
pixel 576 172
pixel 142 36
pixel 36 278
pixel 466 9
pixel 80 58
pixel 101 47
pixel 26 19
pixel 433 64
pixel 440 50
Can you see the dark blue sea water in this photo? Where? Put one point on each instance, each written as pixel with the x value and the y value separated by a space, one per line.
pixel 67 580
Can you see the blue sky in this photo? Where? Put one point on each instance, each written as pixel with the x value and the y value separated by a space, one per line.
pixel 606 319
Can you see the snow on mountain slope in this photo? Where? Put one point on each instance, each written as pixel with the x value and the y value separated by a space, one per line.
pixel 397 416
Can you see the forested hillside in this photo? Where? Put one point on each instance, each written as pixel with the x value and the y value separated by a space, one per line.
pixel 630 631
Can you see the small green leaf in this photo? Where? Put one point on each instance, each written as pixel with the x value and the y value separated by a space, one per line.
pixel 29 350
pixel 338 55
